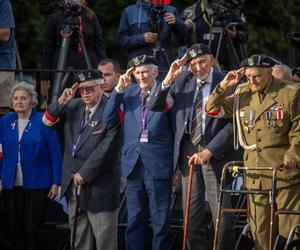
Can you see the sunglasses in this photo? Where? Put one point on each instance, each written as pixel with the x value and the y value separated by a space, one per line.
pixel 87 90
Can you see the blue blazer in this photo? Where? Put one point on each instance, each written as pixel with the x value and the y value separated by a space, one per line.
pixel 157 154
pixel 218 135
pixel 39 149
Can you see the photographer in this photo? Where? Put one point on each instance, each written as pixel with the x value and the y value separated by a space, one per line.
pixel 88 24
pixel 204 16
pixel 137 37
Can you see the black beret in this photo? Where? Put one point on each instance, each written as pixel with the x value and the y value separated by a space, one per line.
pixel 258 61
pixel 141 60
pixel 196 50
pixel 89 75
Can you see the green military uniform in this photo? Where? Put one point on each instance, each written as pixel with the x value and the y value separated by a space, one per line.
pixel 268 127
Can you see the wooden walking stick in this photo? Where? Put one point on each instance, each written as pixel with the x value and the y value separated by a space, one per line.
pixel 187 206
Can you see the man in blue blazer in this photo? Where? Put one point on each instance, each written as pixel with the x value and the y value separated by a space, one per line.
pixel 197 135
pixel 147 155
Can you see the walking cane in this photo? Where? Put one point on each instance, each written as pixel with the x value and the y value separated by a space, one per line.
pixel 77 195
pixel 187 206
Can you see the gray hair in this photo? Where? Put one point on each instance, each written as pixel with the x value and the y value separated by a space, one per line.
pixel 284 69
pixel 26 87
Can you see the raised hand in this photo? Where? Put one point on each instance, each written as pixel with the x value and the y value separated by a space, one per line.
pixel 125 79
pixel 175 70
pixel 67 95
pixel 232 78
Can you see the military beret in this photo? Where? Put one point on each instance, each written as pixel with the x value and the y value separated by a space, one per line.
pixel 141 60
pixel 89 75
pixel 258 61
pixel 198 49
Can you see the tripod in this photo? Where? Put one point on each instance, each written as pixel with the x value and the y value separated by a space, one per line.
pixel 70 25
pixel 221 32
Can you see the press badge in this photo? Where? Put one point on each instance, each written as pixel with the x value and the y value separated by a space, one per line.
pixel 144 136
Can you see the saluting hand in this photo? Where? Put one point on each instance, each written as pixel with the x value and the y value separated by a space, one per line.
pixel 174 71
pixel 67 95
pixel 125 79
pixel 232 78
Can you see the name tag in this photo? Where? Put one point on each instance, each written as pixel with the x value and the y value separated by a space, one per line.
pixel 144 136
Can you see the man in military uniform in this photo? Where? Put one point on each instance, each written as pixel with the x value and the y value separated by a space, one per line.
pixel 267 115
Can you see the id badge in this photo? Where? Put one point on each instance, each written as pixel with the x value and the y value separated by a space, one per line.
pixel 144 136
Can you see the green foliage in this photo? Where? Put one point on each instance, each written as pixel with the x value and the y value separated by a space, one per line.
pixel 268 23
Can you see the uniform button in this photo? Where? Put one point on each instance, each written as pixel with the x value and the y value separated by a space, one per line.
pixel 258 130
pixel 258 149
pixel 259 140
pixel 185 123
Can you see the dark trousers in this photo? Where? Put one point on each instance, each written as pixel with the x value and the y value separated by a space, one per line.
pixel 147 196
pixel 204 180
pixel 25 215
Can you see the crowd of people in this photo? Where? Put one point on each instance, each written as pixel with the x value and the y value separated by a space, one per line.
pixel 145 128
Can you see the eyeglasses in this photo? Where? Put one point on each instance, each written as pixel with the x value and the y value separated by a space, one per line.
pixel 87 90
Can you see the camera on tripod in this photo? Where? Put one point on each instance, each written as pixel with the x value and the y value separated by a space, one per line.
pixel 223 9
pixel 71 10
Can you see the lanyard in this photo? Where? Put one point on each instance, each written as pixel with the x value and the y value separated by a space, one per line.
pixel 144 110
pixel 82 127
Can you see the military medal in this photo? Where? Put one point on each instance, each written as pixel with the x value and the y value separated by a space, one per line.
pixel 268 116
pixel 246 127
pixel 279 115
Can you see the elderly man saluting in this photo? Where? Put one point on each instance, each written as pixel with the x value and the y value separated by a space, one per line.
pixel 267 113
pixel 91 160
pixel 147 155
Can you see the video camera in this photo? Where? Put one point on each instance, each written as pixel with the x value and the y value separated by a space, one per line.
pixel 71 10
pixel 223 9
pixel 157 12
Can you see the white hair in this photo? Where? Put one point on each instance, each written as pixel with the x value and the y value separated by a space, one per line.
pixel 26 87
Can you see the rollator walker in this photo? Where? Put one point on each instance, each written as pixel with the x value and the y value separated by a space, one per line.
pixel 236 168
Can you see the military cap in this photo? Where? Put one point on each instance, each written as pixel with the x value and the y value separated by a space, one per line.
pixel 89 75
pixel 141 60
pixel 196 50
pixel 258 61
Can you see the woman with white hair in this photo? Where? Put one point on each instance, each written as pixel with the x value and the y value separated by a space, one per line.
pixel 30 167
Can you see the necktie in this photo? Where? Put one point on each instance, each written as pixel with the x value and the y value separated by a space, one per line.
pixel 144 96
pixel 196 121
pixel 87 116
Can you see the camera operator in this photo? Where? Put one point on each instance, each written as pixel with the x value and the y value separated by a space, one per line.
pixel 204 16
pixel 88 25
pixel 137 37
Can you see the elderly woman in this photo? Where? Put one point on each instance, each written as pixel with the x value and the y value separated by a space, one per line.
pixel 30 167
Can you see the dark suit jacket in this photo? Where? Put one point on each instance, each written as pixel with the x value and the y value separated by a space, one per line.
pixel 157 154
pixel 96 157
pixel 218 135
